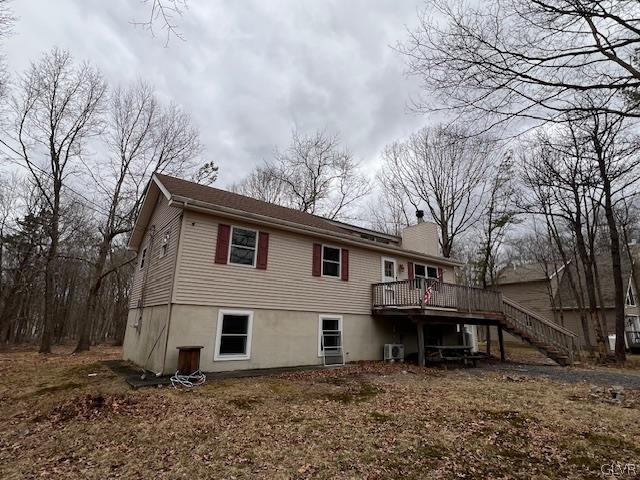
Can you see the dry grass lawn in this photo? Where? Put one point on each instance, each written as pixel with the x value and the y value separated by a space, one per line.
pixel 364 421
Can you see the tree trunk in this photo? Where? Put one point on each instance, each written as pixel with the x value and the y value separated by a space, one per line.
pixel 553 233
pixel 50 274
pixel 616 261
pixel 601 336
pixel 90 309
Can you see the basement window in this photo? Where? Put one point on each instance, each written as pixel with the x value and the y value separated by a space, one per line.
pixel 329 333
pixel 243 246
pixel 233 336
pixel 330 261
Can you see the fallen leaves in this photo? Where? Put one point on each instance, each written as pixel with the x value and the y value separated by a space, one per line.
pixel 367 420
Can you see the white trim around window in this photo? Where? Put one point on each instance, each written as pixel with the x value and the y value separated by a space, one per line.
pixel 327 316
pixel 383 276
pixel 217 356
pixel 339 262
pixel 231 246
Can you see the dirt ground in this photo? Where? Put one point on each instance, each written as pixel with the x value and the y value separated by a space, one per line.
pixel 66 416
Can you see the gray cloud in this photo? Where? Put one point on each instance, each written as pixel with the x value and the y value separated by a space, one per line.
pixel 249 71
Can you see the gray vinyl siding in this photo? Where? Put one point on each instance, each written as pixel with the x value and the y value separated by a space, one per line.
pixel 533 295
pixel 158 270
pixel 287 284
pixel 572 322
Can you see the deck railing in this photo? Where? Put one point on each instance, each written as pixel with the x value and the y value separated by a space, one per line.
pixel 431 293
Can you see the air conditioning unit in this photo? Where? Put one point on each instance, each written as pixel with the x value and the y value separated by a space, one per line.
pixel 394 351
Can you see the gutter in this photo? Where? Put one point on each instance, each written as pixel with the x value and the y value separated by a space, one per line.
pixel 198 206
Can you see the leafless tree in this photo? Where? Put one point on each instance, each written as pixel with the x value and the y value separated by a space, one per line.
pixel 390 211
pixel 614 153
pixel 445 169
pixel 499 214
pixel 56 110
pixel 207 174
pixel 264 183
pixel 541 198
pixel 8 190
pixel 561 166
pixel 314 174
pixel 502 59
pixel 165 14
pixel 586 169
pixel 142 137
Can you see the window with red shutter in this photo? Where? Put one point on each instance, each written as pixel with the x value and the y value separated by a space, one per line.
pixel 222 244
pixel 410 273
pixel 263 251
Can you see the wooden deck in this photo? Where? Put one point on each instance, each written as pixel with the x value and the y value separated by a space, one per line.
pixel 427 301
pixel 435 300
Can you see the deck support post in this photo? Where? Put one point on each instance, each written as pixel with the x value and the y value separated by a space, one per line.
pixel 488 338
pixel 421 354
pixel 501 341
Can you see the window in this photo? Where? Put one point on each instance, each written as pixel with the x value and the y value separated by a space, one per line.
pixel 389 269
pixel 329 333
pixel 631 301
pixel 243 246
pixel 425 271
pixel 143 256
pixel 330 261
pixel 164 246
pixel 233 338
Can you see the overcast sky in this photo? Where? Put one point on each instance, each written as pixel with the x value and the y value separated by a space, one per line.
pixel 248 71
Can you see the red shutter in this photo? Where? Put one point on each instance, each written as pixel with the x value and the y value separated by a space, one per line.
pixel 440 273
pixel 222 246
pixel 410 271
pixel 317 260
pixel 344 263
pixel 263 251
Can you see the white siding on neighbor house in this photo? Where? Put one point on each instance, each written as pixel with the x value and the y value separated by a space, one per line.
pixel 287 284
pixel 533 295
pixel 158 270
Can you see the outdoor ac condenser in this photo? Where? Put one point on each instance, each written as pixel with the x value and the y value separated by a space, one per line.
pixel 394 351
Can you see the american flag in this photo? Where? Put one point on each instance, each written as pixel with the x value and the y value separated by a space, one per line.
pixel 427 295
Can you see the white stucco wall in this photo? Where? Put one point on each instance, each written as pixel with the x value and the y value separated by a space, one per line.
pixel 145 346
pixel 280 338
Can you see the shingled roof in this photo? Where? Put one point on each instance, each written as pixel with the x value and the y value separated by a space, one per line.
pixel 216 196
pixel 527 272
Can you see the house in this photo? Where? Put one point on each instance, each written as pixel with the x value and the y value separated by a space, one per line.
pixel 546 289
pixel 259 285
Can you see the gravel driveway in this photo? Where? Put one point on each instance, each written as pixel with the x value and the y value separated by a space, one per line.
pixel 600 376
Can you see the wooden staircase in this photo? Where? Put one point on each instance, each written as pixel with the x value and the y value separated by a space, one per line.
pixel 551 339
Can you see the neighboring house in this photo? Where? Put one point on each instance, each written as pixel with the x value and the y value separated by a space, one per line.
pixel 547 289
pixel 258 285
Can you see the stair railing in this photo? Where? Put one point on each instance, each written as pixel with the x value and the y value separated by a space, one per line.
pixel 539 328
